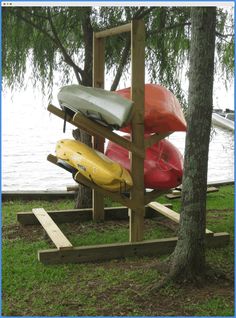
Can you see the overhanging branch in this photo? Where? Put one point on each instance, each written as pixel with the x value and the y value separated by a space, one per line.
pixel 77 70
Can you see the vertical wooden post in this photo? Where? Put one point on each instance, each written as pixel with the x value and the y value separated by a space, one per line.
pixel 137 94
pixel 98 142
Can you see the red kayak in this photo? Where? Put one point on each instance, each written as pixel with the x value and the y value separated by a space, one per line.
pixel 163 112
pixel 163 165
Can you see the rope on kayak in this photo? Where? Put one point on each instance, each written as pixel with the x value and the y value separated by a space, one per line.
pixel 123 187
pixel 65 118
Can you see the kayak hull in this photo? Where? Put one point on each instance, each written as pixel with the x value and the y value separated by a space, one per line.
pixel 163 164
pixel 104 107
pixel 93 165
pixel 223 122
pixel 163 112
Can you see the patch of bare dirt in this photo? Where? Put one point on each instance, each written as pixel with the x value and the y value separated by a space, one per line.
pixel 34 233
pixel 30 232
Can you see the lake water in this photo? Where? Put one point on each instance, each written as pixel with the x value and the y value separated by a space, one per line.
pixel 30 133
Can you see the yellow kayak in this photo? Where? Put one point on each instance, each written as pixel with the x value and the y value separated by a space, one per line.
pixel 94 165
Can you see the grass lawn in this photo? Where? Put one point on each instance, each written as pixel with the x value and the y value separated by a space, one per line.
pixel 112 288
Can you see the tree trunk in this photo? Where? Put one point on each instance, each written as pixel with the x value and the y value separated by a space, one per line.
pixel 188 259
pixel 84 195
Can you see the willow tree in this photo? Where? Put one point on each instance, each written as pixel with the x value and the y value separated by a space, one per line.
pixel 59 39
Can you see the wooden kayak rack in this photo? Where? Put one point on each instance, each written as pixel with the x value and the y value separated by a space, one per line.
pixel 138 205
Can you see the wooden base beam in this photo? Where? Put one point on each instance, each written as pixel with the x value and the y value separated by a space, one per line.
pixel 82 215
pixel 123 250
pixel 172 215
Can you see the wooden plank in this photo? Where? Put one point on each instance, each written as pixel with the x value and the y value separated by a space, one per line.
pixel 136 228
pixel 108 252
pixel 113 31
pixel 172 196
pixel 53 159
pixel 60 113
pixel 155 138
pixel 122 250
pixel 82 215
pixel 172 215
pixel 98 142
pixel 178 195
pixel 61 216
pixel 53 231
pixel 94 129
pixel 118 197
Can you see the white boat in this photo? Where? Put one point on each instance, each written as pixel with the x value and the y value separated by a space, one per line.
pixel 223 122
pixel 106 107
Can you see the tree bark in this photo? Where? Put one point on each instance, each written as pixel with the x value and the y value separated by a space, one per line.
pixel 87 77
pixel 84 195
pixel 188 259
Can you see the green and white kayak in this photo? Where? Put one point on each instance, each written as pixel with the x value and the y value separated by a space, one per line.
pixel 105 107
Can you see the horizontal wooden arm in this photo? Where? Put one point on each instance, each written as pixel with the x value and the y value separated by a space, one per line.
pixel 118 197
pixel 155 138
pixel 94 129
pixel 60 113
pixel 99 130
